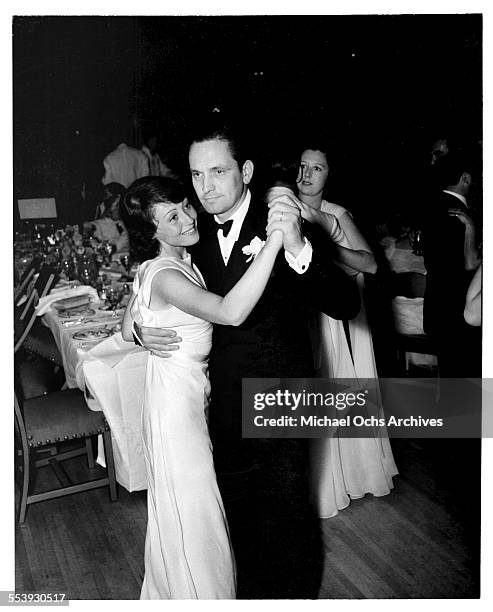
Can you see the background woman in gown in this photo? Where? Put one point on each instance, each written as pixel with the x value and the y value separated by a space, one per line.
pixel 342 468
pixel 188 551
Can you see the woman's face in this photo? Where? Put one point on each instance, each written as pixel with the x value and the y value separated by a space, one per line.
pixel 176 223
pixel 313 173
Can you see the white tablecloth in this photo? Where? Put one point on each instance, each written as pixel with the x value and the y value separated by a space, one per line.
pixel 112 375
pixel 113 372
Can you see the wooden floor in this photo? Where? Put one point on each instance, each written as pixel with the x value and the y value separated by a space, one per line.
pixel 421 541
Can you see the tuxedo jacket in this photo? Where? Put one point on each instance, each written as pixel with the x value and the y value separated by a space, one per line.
pixel 274 339
pixel 446 279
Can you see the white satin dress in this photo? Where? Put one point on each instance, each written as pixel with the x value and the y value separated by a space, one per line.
pixel 188 552
pixel 347 468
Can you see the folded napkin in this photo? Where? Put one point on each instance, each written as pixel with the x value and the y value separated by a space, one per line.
pixel 46 302
pixel 113 350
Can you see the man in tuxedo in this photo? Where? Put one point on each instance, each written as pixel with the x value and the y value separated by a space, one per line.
pixel 451 257
pixel 274 535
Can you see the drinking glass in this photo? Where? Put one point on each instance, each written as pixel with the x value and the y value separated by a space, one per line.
pixel 126 263
pixel 416 241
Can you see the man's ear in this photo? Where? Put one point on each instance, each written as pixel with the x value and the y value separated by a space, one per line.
pixel 466 178
pixel 247 171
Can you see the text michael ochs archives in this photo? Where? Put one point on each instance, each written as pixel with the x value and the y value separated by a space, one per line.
pixel 291 401
pixel 360 408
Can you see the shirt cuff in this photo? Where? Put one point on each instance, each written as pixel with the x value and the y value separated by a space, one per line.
pixel 137 340
pixel 300 264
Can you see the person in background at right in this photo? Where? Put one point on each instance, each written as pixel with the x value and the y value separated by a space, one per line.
pixel 474 302
pixel 451 257
pixel 342 468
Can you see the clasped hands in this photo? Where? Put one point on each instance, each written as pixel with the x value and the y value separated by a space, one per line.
pixel 285 215
pixel 286 212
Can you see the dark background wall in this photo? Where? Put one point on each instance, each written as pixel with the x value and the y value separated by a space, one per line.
pixel 382 86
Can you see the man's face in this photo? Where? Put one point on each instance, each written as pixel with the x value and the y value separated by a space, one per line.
pixel 438 149
pixel 217 179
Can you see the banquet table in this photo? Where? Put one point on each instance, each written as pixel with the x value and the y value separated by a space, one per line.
pixel 111 373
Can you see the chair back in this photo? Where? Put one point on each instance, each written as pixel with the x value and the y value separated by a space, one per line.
pixel 46 279
pixel 24 281
pixel 26 277
pixel 24 322
pixel 42 285
pixel 408 284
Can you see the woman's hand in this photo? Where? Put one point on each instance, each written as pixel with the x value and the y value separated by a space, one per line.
pixel 274 239
pixel 309 213
pixel 314 215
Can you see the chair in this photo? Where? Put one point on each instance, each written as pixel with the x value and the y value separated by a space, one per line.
pixel 47 277
pixel 24 318
pixel 23 283
pixel 411 285
pixel 36 338
pixel 46 424
pixel 27 276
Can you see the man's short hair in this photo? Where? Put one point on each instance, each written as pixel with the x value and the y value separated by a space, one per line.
pixel 449 169
pixel 214 129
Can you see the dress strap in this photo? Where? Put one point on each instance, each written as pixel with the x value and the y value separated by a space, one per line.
pixel 165 264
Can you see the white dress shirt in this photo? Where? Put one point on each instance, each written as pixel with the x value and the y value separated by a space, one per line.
pixel 457 195
pixel 226 244
pixel 299 264
pixel 124 165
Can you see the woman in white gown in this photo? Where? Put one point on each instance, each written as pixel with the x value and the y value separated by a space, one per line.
pixel 188 551
pixel 342 468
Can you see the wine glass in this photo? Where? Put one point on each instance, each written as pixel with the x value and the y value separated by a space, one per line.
pixel 108 251
pixel 126 263
pixel 113 298
pixel 416 241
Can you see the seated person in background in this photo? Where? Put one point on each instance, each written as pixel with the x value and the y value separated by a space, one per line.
pixel 110 227
pixel 398 247
pixel 109 190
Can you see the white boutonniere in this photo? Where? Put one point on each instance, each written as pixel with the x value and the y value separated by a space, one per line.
pixel 253 249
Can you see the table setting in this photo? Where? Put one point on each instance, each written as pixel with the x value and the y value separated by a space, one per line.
pixel 86 325
pixel 84 312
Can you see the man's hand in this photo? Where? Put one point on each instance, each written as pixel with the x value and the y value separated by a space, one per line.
pixel 157 340
pixel 462 216
pixel 284 215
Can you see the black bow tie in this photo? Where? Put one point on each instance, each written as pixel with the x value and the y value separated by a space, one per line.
pixel 226 227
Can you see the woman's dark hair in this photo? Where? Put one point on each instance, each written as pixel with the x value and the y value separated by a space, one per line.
pixel 138 215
